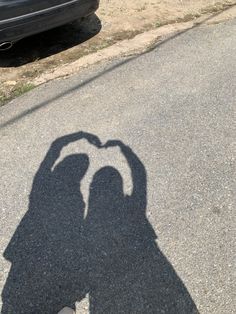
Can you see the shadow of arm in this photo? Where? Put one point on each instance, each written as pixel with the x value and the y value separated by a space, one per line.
pixel 56 148
pixel 139 177
pixel 138 173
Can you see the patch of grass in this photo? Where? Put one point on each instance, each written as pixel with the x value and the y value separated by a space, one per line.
pixel 211 9
pixel 16 91
pixel 3 98
pixel 158 24
pixel 22 89
pixel 217 7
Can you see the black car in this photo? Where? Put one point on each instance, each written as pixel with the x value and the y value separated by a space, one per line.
pixel 22 18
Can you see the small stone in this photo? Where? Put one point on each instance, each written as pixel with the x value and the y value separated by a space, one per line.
pixel 10 83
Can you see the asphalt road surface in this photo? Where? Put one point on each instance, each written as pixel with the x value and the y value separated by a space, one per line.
pixel 164 242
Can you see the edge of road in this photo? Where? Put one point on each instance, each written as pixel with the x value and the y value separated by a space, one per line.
pixel 139 44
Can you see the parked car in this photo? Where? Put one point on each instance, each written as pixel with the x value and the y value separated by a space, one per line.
pixel 22 18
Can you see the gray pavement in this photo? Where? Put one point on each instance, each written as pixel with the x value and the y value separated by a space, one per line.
pixel 174 109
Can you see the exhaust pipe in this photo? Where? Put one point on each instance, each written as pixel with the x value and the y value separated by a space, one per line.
pixel 6 46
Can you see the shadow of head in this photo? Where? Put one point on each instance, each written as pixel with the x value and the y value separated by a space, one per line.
pixel 71 169
pixel 50 42
pixel 106 187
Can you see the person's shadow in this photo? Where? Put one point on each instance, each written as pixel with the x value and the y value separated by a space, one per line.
pixel 58 256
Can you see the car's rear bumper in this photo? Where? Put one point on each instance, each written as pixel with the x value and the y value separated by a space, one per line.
pixel 22 26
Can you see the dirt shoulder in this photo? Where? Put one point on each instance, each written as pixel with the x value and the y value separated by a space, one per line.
pixel 65 50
